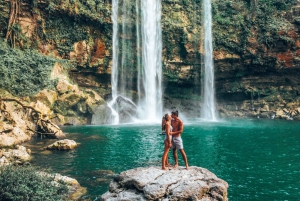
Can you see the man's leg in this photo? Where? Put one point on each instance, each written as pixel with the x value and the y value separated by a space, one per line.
pixel 175 155
pixel 184 158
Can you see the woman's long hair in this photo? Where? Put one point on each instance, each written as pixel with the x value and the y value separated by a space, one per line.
pixel 164 121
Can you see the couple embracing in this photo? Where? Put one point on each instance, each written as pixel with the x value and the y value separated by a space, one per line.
pixel 173 127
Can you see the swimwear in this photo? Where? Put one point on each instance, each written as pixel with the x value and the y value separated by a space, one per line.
pixel 177 143
pixel 167 138
pixel 171 128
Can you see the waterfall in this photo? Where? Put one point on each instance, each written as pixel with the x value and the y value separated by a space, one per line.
pixel 114 73
pixel 208 107
pixel 151 76
pixel 137 50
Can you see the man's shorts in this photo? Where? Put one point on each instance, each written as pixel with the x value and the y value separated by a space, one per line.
pixel 177 143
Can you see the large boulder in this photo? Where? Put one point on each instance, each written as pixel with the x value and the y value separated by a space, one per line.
pixel 125 108
pixel 63 145
pixel 93 100
pixel 74 188
pixel 18 155
pixel 102 115
pixel 153 183
pixel 46 96
pixel 50 129
pixel 4 161
pixel 15 124
pixel 73 105
pixel 43 108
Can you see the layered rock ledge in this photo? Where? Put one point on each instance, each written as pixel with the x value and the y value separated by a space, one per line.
pixel 152 183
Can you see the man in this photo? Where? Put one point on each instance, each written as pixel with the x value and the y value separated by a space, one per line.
pixel 177 125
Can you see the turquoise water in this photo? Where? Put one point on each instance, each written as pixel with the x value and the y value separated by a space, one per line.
pixel 258 158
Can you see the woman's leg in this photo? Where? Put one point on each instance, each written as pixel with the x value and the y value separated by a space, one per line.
pixel 167 159
pixel 165 156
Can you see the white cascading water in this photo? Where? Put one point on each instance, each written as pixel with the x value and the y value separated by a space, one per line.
pixel 151 77
pixel 126 33
pixel 149 72
pixel 138 48
pixel 114 73
pixel 208 107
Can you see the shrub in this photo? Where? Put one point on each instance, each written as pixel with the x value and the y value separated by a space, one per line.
pixel 24 183
pixel 24 73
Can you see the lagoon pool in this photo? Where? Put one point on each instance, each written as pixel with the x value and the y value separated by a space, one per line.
pixel 258 158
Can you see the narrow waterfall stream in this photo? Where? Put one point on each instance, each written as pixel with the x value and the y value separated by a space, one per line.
pixel 208 107
pixel 114 73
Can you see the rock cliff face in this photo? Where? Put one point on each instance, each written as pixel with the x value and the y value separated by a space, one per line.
pixel 256 53
pixel 152 183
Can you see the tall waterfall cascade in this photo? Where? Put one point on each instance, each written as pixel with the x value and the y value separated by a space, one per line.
pixel 136 77
pixel 208 111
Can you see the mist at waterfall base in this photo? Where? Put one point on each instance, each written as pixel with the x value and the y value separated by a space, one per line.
pixel 258 158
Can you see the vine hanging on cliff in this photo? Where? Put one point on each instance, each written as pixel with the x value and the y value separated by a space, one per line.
pixel 13 19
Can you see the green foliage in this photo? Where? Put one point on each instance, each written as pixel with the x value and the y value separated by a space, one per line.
pixel 236 21
pixel 273 5
pixel 15 28
pixel 181 26
pixel 25 183
pixel 20 36
pixel 230 29
pixel 64 23
pixel 4 15
pixel 59 23
pixel 92 10
pixel 24 72
pixel 63 32
pixel 175 92
pixel 173 75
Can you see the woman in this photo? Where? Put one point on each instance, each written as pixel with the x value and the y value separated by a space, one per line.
pixel 167 128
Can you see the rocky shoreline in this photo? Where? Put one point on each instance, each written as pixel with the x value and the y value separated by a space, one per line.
pixel 19 122
pixel 20 156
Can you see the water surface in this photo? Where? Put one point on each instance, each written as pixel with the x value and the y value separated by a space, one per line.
pixel 258 158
